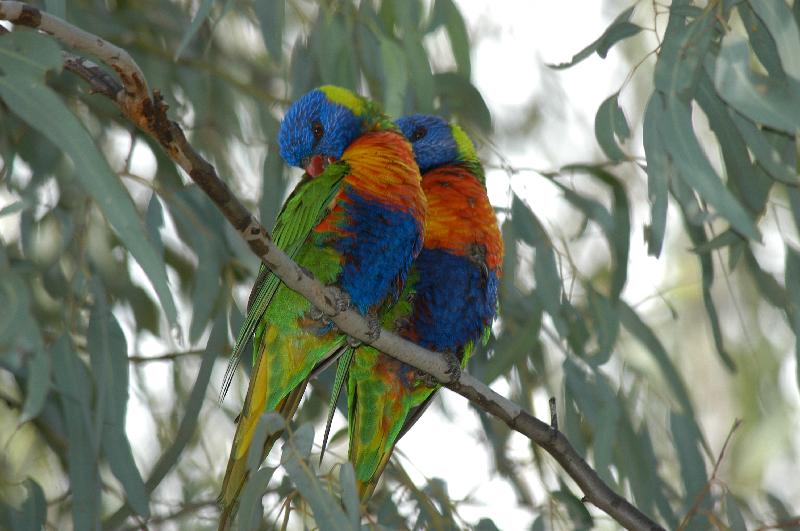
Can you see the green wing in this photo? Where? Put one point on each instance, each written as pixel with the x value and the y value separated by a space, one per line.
pixel 302 211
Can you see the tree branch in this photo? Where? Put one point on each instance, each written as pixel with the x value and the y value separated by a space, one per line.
pixel 148 112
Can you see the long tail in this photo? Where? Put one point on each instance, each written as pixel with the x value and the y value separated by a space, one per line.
pixel 237 472
pixel 367 487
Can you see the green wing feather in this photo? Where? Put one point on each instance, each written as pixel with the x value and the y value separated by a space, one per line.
pixel 301 212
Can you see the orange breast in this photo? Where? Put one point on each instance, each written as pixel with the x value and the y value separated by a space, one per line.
pixel 460 215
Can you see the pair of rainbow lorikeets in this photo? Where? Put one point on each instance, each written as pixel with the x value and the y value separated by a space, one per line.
pixel 395 214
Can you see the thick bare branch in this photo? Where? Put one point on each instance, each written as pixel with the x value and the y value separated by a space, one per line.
pixel 148 112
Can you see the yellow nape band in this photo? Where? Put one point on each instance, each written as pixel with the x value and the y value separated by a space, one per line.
pixel 344 97
pixel 465 146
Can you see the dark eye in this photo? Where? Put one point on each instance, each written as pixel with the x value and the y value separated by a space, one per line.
pixel 418 132
pixel 317 130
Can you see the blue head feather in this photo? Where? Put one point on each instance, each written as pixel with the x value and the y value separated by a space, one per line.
pixel 340 125
pixel 432 140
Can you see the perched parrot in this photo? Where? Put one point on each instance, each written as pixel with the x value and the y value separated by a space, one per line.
pixel 356 219
pixel 448 303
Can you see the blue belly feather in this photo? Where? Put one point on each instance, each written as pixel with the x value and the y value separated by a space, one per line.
pixel 378 245
pixel 455 300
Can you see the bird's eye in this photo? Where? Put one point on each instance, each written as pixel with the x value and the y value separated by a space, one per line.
pixel 418 132
pixel 317 130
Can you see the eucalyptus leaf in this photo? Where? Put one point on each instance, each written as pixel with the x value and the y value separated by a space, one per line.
pixel 619 29
pixel 203 10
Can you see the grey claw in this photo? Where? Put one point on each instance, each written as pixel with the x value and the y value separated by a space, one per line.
pixel 341 301
pixel 315 314
pixel 374 327
pixel 453 367
pixel 353 342
pixel 427 380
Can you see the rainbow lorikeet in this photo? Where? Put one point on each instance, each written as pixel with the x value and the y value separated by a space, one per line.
pixel 448 303
pixel 356 219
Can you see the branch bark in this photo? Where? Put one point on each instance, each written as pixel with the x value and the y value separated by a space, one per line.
pixel 148 112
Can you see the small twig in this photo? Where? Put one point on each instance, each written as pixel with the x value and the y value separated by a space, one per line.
pixel 698 499
pixel 169 356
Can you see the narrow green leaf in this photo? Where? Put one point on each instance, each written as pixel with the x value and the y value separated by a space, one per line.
pixel 154 220
pixel 84 481
pixel 199 17
pixel 395 76
pixel 328 514
pixel 579 515
pixel 250 510
pixel 109 355
pixel 605 322
pixel 271 14
pixel 615 225
pixel 446 13
pixel 777 17
pixel 687 446
pixel 610 116
pixel 761 41
pixel 37 387
pixel 33 512
pixel 460 97
pixel 684 148
pixel 660 171
pixel 545 268
pixel 767 156
pixel 347 482
pixel 619 30
pixel 639 329
pixel 420 71
pixel 29 55
pixel 683 52
pixel 699 239
pixel 750 185
pixel 793 290
pixel 206 284
pixel 734 515
pixel 270 423
pixel 765 100
pixel 598 406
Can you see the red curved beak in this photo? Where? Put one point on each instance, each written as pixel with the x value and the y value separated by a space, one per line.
pixel 317 164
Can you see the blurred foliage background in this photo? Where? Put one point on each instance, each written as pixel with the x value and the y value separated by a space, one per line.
pixel 651 285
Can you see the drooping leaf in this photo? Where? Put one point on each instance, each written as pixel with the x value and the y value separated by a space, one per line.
pixel 619 30
pixel 271 14
pixel 109 356
pixel 446 13
pixel 764 100
pixel 328 514
pixel 609 125
pixel 200 16
pixel 74 387
pixel 395 75
pixel 460 97
pixel 660 171
pixel 250 508
pixel 793 290
pixel 347 481
pixel 684 148
pixel 38 385
pixel 777 17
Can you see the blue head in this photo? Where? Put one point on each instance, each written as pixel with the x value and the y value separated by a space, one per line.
pixel 436 142
pixel 319 126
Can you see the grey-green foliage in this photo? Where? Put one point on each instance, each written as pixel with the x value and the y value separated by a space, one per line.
pixel 103 258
